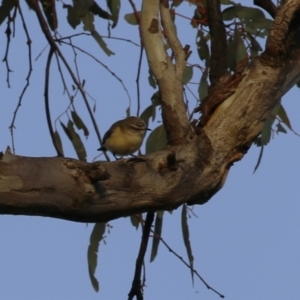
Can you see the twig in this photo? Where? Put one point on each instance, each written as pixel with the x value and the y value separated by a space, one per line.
pixel 12 125
pixel 137 80
pixel 46 31
pixel 218 61
pixel 102 64
pixel 136 288
pixel 268 6
pixel 5 58
pixel 155 235
pixel 47 108
pixel 192 269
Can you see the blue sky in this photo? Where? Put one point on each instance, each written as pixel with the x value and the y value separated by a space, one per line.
pixel 245 240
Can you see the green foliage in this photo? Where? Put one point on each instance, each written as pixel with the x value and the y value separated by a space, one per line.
pixel 131 19
pixel 202 46
pixel 114 7
pixel 85 10
pixel 157 140
pixel 58 142
pixel 157 234
pixel 75 140
pixel 134 221
pixel 79 123
pixel 5 8
pixel 187 74
pixel 92 253
pixel 49 9
pixel 253 19
pixel 186 238
pixel 203 86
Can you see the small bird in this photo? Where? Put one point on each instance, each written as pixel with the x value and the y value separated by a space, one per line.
pixel 125 136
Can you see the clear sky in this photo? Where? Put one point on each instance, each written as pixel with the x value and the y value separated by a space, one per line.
pixel 245 240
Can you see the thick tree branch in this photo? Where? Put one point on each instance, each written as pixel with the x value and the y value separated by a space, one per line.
pixel 218 61
pixel 283 31
pixel 182 173
pixel 268 6
pixel 168 76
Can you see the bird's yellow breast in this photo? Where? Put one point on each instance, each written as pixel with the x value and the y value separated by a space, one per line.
pixel 123 142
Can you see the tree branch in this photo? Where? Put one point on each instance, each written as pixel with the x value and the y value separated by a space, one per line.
pixel 283 32
pixel 168 76
pixel 47 106
pixel 136 289
pixel 218 61
pixel 187 172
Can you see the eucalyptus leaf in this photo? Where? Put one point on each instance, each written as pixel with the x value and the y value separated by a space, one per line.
pixel 134 221
pixel 284 117
pixel 157 234
pixel 157 140
pixel 101 43
pixel 187 74
pixel 114 7
pixel 58 142
pixel 92 253
pixel 186 239
pixel 5 8
pixel 131 19
pixel 79 123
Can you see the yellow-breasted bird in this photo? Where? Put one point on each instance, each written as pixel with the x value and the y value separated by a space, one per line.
pixel 124 137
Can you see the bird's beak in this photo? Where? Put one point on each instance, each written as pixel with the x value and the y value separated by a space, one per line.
pixel 149 129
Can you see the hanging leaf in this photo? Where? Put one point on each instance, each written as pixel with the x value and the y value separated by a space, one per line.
pixel 259 158
pixel 75 140
pixel 82 6
pixel 187 74
pixel 96 10
pixel 148 113
pixel 79 123
pixel 156 99
pixel 157 140
pixel 280 128
pixel 203 86
pixel 239 46
pixel 114 7
pixel 58 143
pixel 92 253
pixel 267 128
pixel 131 19
pixel 176 3
pixel 157 234
pixel 50 13
pixel 135 221
pixel 151 79
pixel 128 111
pixel 186 239
pixel 101 43
pixel 253 19
pixel 254 44
pixel 5 8
pixel 203 49
pixel 284 117
pixel 88 22
pixel 72 17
